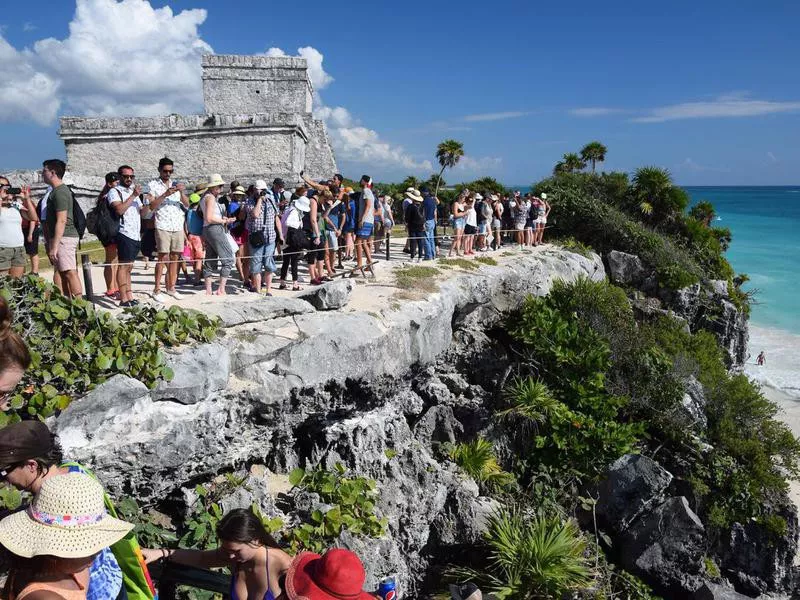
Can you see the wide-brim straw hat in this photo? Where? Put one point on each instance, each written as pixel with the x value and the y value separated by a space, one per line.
pixel 336 575
pixel 303 204
pixel 214 180
pixel 67 518
pixel 200 187
pixel 414 195
pixel 239 191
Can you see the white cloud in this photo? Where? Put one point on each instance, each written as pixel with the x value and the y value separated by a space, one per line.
pixel 121 57
pixel 28 26
pixel 730 106
pixel 481 165
pixel 498 116
pixel 320 79
pixel 593 111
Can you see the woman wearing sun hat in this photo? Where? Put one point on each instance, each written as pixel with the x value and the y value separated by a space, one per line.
pixel 54 541
pixel 215 232
pixel 336 575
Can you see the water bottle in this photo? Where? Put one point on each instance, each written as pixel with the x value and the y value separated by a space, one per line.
pixel 388 589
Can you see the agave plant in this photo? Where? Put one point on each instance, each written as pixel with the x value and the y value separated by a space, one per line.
pixel 478 460
pixel 530 558
pixel 530 400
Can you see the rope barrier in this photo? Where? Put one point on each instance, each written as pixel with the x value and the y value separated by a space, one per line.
pixel 370 240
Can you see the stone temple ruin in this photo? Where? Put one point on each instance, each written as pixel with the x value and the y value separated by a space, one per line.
pixel 257 124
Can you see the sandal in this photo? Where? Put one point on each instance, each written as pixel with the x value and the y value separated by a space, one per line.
pixel 282 286
pixel 296 288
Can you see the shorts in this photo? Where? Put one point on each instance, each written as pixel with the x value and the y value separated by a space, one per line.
pixel 67 259
pixel 458 223
pixel 364 232
pixel 109 243
pixel 315 252
pixel 32 247
pixel 263 259
pixel 196 249
pixel 519 226
pixel 496 224
pixel 529 224
pixel 12 257
pixel 169 242
pixel 333 240
pixel 470 229
pixel 482 228
pixel 127 249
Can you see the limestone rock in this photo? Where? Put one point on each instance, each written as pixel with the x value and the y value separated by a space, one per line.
pixel 256 311
pixel 329 296
pixel 632 486
pixel 712 591
pixel 625 269
pixel 693 404
pixel 199 371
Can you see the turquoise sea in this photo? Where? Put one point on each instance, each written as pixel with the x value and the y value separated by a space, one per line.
pixel 765 226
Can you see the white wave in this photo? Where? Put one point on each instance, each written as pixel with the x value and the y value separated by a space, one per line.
pixel 782 366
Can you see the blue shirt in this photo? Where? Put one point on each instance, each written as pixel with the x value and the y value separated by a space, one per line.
pixel 194 222
pixel 429 208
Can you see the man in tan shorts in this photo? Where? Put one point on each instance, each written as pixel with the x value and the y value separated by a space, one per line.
pixel 167 200
pixel 62 237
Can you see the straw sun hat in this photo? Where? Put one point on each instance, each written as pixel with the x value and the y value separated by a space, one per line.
pixel 67 519
pixel 414 195
pixel 215 180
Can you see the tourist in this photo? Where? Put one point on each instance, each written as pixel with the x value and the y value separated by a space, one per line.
pixel 14 210
pixel 430 212
pixel 257 564
pixel 519 210
pixel 350 218
pixel 483 215
pixel 315 257
pixel 497 221
pixel 124 199
pixel 215 235
pixel 458 212
pixel 334 222
pixel 336 181
pixel 61 534
pixel 508 219
pixel 167 200
pixel 542 212
pixel 415 222
pixel 365 223
pixel 32 231
pixel 194 233
pixel 336 575
pixel 388 215
pixel 406 202
pixel 238 231
pixel 110 263
pixel 470 224
pixel 61 233
pixel 530 221
pixel 292 221
pixel 378 231
pixel 14 356
pixel 263 224
pixel 761 360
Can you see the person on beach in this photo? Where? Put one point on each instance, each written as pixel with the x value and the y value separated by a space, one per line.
pixel 54 544
pixel 459 213
pixel 292 221
pixel 125 200
pixel 263 225
pixel 15 209
pixel 167 200
pixel 215 235
pixel 365 222
pixel 338 574
pixel 256 562
pixel 30 457
pixel 761 360
pixel 62 235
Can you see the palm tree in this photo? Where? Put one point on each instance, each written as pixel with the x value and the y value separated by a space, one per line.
pixel 704 212
pixel 433 181
pixel 653 189
pixel 448 153
pixel 572 162
pixel 478 460
pixel 410 182
pixel 594 152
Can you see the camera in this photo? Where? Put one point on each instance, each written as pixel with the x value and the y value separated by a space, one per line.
pixel 262 193
pixel 14 191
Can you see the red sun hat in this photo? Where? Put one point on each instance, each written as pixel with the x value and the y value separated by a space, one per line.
pixel 336 575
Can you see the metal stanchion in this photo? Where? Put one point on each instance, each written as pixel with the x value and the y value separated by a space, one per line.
pixel 388 238
pixel 86 265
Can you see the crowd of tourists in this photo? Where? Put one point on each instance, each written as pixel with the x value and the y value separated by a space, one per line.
pixel 66 541
pixel 218 226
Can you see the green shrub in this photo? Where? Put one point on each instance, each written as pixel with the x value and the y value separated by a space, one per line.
pixel 573 245
pixel 353 502
pixel 478 460
pixel 538 557
pixel 152 530
pixel 75 347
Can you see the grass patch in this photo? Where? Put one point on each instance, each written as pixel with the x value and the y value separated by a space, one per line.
pixel 417 278
pixel 486 260
pixel 467 265
pixel 507 253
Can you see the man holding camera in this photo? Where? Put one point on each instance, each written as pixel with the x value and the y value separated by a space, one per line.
pixel 167 200
pixel 15 204
pixel 62 236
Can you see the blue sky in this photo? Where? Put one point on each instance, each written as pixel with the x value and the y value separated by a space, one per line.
pixel 706 89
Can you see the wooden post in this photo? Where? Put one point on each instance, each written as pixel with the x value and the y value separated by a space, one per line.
pixel 388 239
pixel 86 265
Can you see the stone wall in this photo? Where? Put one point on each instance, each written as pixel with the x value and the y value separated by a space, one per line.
pixel 234 84
pixel 320 163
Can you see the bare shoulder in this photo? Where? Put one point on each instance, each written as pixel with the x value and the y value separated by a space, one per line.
pixel 280 559
pixel 43 595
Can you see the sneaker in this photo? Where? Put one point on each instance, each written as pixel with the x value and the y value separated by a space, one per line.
pixel 175 294
pixel 126 304
pixel 160 297
pixel 133 302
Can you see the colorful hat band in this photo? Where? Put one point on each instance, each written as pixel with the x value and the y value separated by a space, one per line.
pixel 64 520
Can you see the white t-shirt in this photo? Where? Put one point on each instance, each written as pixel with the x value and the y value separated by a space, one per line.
pixel 367 206
pixel 43 204
pixel 169 214
pixel 130 225
pixel 471 217
pixel 11 226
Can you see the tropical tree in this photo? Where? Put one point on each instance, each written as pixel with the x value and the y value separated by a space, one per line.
pixel 572 163
pixel 410 182
pixel 559 168
pixel 593 152
pixel 704 212
pixel 433 181
pixel 656 195
pixel 448 153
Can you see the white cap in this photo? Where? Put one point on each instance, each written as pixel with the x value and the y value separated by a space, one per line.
pixel 543 196
pixel 478 197
pixel 261 184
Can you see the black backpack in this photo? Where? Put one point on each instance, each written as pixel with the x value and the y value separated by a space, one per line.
pixel 78 218
pixel 103 220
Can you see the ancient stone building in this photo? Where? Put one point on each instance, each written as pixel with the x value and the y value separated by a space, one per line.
pixel 257 124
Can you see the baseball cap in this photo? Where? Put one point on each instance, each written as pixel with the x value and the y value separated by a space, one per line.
pixel 278 182
pixel 261 184
pixel 23 441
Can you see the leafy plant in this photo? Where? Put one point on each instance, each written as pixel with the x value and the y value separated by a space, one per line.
pixel 75 347
pixel 478 460
pixel 537 557
pixel 151 528
pixel 529 399
pixel 10 498
pixel 353 501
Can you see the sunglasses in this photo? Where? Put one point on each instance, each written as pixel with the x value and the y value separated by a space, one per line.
pixel 167 171
pixel 127 176
pixel 6 470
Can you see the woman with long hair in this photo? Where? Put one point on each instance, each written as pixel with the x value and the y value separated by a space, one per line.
pixel 459 213
pixel 14 356
pixel 256 562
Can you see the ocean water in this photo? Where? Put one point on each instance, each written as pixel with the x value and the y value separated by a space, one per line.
pixel 765 226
